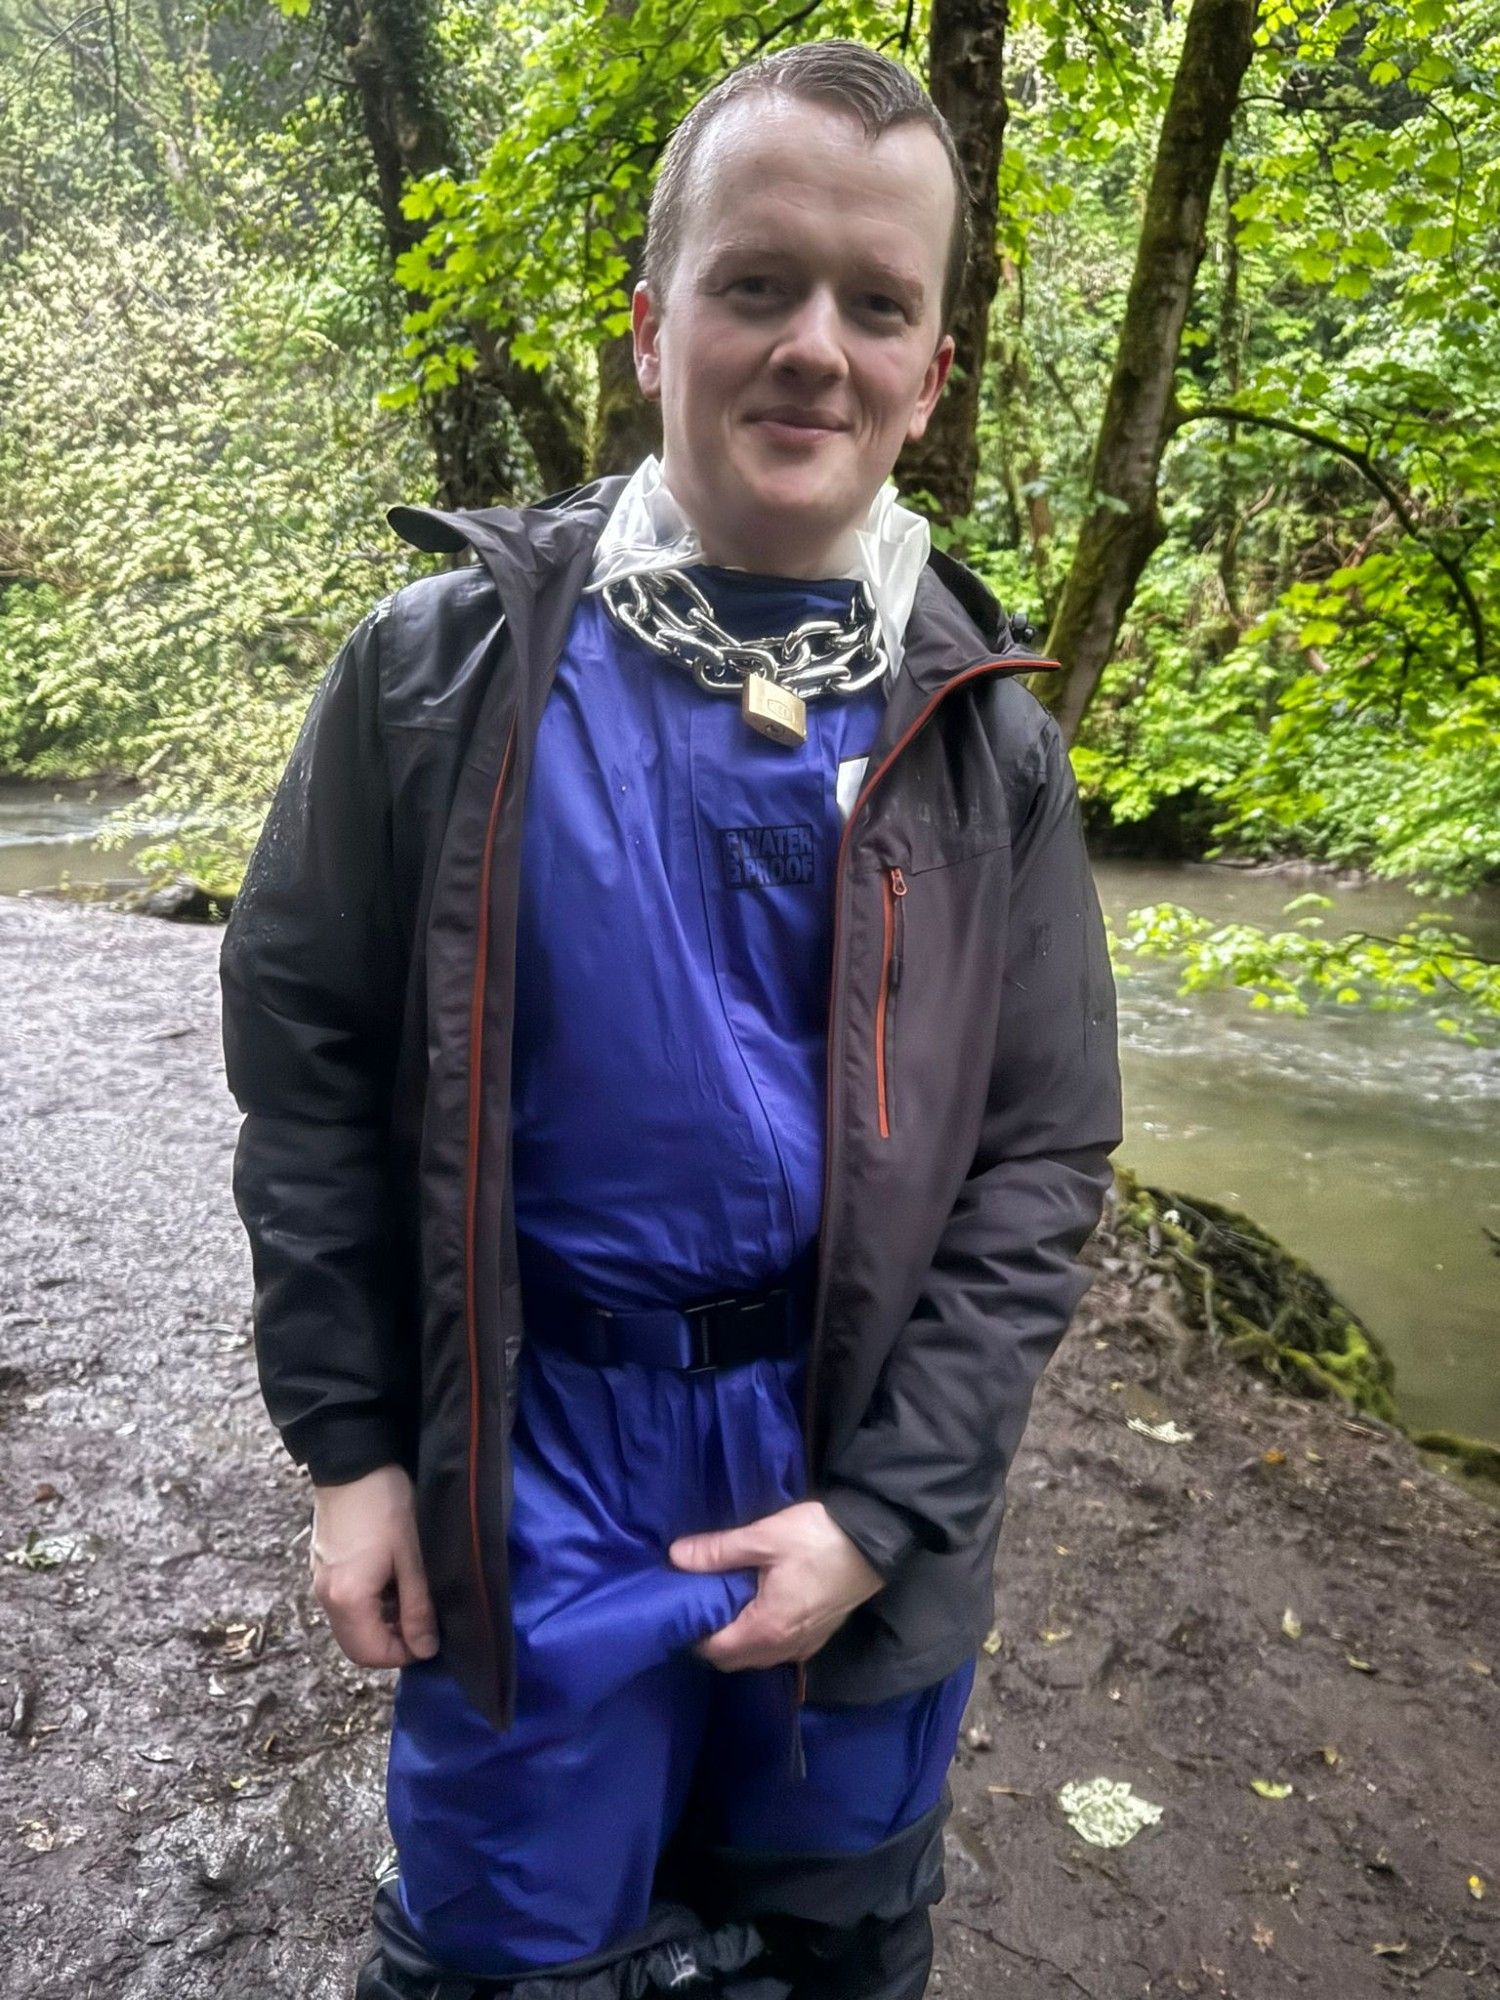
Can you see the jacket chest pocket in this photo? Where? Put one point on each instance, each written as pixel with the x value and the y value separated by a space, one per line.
pixel 941 952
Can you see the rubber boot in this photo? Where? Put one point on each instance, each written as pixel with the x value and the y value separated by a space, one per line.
pixel 839 1926
pixel 673 1954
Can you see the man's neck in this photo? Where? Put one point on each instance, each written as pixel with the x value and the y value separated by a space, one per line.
pixel 836 560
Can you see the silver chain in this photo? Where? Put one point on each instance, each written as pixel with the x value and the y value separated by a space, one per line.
pixel 819 656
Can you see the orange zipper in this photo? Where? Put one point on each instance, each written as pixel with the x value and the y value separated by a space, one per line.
pixel 890 979
pixel 471 1189
pixel 977 671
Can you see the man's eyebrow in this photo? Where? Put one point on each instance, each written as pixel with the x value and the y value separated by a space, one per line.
pixel 877 268
pixel 902 279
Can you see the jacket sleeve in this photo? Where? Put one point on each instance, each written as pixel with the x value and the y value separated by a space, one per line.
pixel 312 971
pixel 924 1468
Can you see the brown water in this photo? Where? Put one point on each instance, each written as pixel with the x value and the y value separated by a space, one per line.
pixel 1369 1143
pixel 47 835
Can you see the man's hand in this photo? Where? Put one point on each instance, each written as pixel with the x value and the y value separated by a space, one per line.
pixel 811 1577
pixel 367 1570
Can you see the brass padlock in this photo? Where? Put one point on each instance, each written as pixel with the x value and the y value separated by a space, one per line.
pixel 773 711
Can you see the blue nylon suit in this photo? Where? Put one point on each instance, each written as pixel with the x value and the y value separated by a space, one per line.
pixel 669 1064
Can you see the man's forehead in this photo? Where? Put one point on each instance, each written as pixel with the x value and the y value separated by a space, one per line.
pixel 750 190
pixel 745 132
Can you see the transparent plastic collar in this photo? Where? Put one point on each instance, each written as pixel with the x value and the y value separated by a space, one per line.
pixel 648 530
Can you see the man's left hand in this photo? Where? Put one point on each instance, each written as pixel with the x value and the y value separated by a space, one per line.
pixel 811 1577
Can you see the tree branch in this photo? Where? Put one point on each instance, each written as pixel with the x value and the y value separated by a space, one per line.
pixel 1365 465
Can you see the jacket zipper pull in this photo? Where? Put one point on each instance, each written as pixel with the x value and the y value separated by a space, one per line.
pixel 898 890
pixel 797 1767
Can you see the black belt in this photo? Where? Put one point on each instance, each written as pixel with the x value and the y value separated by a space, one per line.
pixel 718 1333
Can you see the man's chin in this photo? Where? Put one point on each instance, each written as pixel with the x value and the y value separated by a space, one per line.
pixel 789 514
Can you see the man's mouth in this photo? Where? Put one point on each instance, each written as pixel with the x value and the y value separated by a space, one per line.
pixel 789 428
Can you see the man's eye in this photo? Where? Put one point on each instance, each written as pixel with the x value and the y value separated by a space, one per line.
pixel 759 286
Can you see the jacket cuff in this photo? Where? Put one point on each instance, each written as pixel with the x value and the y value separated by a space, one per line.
pixel 337 1447
pixel 882 1533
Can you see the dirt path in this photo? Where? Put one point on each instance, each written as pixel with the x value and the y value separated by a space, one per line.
pixel 191 1776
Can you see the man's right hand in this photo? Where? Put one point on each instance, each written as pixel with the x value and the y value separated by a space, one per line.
pixel 367 1570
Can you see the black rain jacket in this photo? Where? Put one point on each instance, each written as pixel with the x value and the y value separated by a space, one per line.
pixel 973 1087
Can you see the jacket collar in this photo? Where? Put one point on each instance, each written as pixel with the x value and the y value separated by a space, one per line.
pixel 649 530
pixel 945 635
pixel 954 621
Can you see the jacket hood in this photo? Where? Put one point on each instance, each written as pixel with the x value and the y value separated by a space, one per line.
pixel 518 537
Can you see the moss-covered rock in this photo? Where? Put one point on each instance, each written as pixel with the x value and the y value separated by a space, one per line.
pixel 1244 1292
pixel 1234 1288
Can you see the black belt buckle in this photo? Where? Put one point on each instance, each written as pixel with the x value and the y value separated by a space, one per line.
pixel 713 1325
pixel 702 1347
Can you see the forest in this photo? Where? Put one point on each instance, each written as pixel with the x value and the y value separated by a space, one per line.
pixel 1223 435
pixel 1223 423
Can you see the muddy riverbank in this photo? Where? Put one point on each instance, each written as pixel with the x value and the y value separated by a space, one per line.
pixel 191 1775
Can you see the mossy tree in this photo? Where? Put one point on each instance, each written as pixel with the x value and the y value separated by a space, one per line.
pixel 1123 525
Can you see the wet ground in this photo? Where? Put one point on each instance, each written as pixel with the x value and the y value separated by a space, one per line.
pixel 190 1775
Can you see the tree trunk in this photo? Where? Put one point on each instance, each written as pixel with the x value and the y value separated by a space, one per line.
pixel 966 57
pixel 628 427
pixel 391 53
pixel 1125 525
pixel 1229 523
pixel 1022 470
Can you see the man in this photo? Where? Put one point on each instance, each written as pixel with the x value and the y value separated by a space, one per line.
pixel 598 863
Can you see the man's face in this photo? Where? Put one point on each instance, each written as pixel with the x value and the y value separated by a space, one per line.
pixel 797 349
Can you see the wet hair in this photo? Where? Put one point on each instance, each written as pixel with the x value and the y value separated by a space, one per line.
pixel 878 92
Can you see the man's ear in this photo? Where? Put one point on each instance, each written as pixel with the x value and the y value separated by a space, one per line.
pixel 645 331
pixel 932 387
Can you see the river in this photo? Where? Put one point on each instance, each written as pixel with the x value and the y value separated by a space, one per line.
pixel 1368 1143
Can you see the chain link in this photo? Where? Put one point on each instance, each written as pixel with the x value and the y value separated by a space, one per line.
pixel 820 656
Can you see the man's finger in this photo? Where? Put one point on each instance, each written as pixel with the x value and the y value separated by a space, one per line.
pixel 748 1655
pixel 727 1636
pixel 729 1548
pixel 751 1640
pixel 414 1603
pixel 363 1634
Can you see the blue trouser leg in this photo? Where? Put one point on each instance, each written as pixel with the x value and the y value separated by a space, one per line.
pixel 870 1771
pixel 526 1852
pixel 839 1871
pixel 538 1845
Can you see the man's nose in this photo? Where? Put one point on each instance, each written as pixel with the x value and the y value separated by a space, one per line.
pixel 812 339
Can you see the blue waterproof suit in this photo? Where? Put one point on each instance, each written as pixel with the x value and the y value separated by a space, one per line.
pixel 667 1090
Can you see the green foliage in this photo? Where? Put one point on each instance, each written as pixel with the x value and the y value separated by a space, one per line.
pixel 1180 722
pixel 1305 659
pixel 200 318
pixel 532 246
pixel 1377 773
pixel 204 534
pixel 1427 968
pixel 192 473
